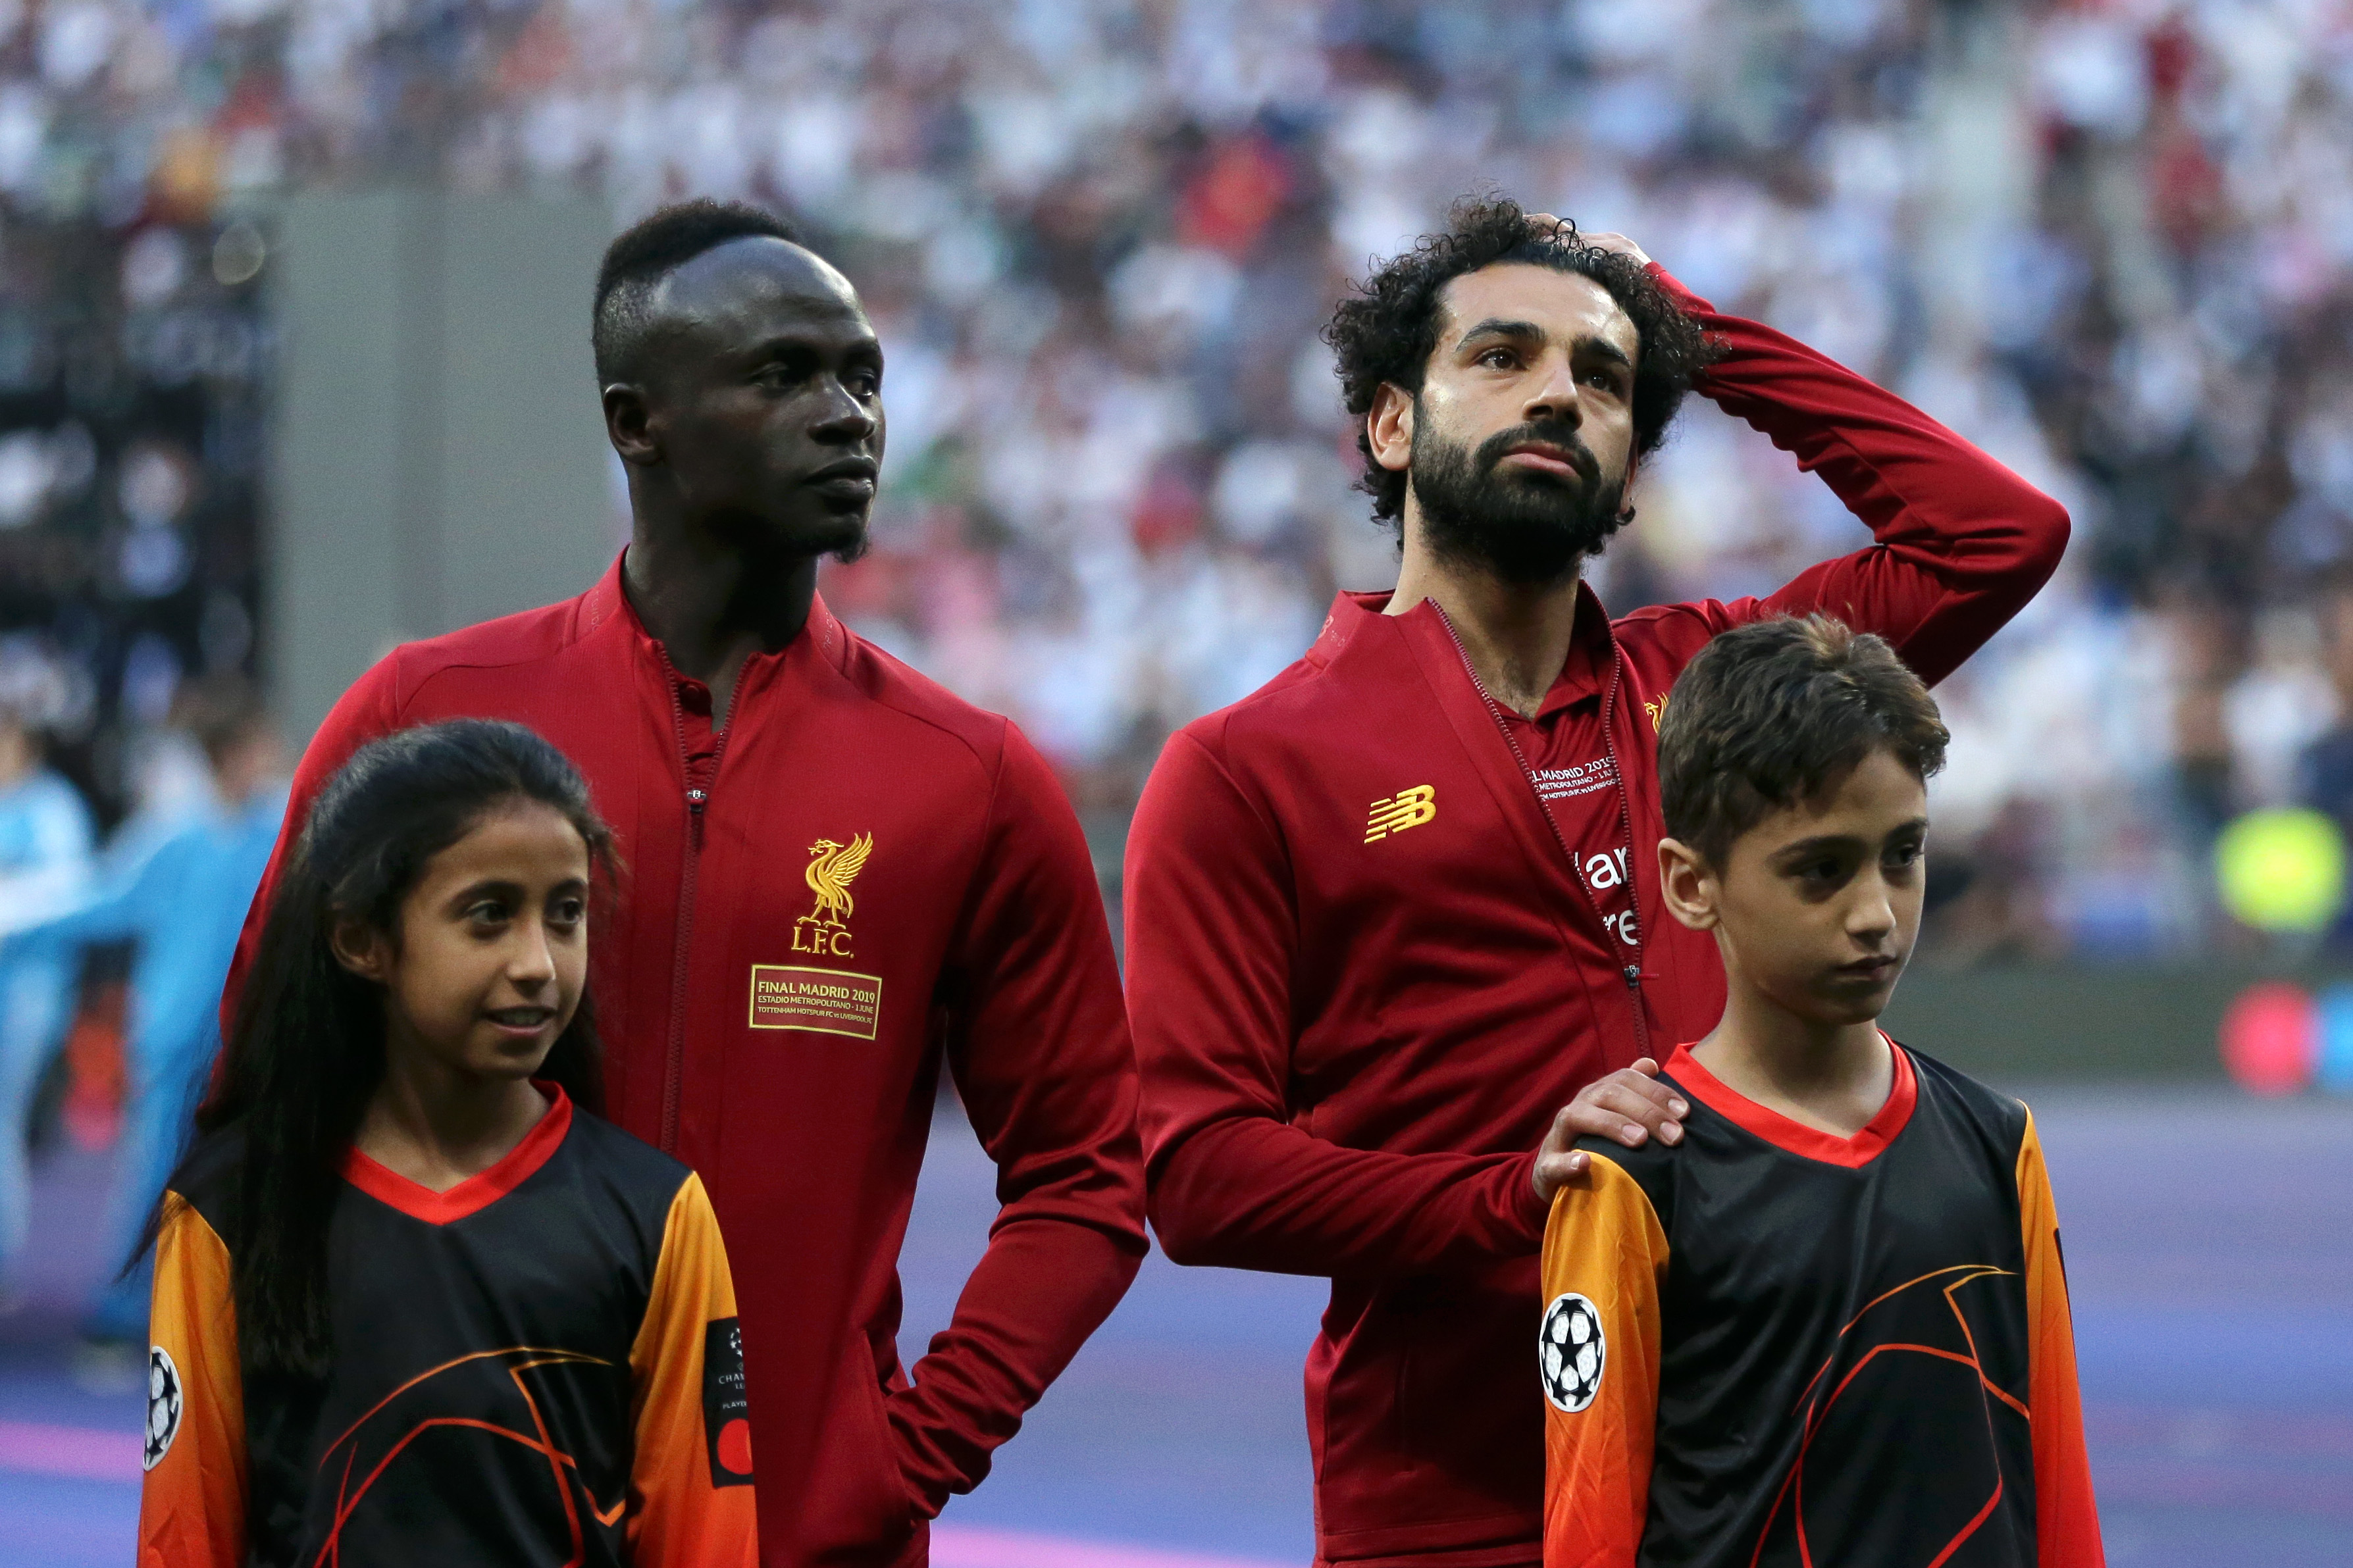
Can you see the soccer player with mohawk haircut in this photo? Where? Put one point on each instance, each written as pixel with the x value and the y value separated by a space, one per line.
pixel 841 879
pixel 1394 933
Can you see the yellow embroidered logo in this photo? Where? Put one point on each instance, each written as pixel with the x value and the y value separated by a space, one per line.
pixel 1406 808
pixel 832 867
pixel 1657 711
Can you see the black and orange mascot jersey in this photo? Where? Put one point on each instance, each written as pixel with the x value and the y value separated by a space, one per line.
pixel 540 1366
pixel 1771 1346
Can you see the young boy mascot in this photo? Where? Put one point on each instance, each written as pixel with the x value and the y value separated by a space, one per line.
pixel 1832 1326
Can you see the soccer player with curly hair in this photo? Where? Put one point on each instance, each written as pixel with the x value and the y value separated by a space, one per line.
pixel 1392 944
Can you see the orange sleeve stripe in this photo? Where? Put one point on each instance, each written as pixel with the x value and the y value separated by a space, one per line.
pixel 1603 1243
pixel 192 1504
pixel 678 1518
pixel 2066 1516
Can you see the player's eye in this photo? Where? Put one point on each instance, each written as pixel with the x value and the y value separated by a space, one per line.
pixel 1822 875
pixel 784 372
pixel 1499 359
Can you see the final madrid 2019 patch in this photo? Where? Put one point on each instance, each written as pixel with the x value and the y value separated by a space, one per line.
pixel 829 1001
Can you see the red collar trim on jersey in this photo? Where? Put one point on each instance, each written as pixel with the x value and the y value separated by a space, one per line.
pixel 1798 1138
pixel 477 1191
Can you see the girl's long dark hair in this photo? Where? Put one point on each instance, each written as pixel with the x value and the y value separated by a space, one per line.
pixel 306 1052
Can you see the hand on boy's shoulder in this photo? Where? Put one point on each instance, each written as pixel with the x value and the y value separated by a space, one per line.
pixel 1629 1107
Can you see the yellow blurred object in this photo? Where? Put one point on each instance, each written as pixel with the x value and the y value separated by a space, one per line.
pixel 186 178
pixel 2282 870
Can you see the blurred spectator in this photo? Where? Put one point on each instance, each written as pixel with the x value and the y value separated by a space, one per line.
pixel 2112 242
pixel 182 903
pixel 2326 776
pixel 2325 771
pixel 45 852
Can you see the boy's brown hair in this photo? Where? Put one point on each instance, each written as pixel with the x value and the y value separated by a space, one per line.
pixel 1777 712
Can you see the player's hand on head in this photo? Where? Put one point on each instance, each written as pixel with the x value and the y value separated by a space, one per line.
pixel 1630 1106
pixel 1547 223
pixel 1620 244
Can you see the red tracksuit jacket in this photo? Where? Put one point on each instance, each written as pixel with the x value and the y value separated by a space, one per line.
pixel 874 875
pixel 1364 968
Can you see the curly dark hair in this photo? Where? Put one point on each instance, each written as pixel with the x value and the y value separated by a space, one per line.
pixel 1388 329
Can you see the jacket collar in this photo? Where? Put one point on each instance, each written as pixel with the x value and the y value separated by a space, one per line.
pixel 1591 655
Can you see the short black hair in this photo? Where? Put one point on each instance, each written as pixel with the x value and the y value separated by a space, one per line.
pixel 649 250
pixel 1387 330
pixel 1777 712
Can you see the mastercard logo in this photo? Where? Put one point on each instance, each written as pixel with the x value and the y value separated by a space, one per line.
pixel 736 1447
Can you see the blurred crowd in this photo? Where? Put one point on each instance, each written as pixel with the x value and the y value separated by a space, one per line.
pixel 2110 242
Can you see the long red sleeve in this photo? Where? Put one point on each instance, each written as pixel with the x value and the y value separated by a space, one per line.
pixel 1040 1049
pixel 1961 543
pixel 1235 1180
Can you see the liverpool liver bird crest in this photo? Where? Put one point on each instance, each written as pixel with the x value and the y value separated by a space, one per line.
pixel 832 867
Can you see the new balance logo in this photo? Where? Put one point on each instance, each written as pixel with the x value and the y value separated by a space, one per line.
pixel 1406 808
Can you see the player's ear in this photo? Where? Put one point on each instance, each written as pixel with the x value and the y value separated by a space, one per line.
pixel 361 948
pixel 1687 885
pixel 628 424
pixel 1388 426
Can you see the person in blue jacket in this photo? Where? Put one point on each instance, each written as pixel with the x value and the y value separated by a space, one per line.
pixel 182 905
pixel 44 863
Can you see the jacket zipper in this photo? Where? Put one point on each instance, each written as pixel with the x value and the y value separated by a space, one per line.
pixel 1632 972
pixel 674 1058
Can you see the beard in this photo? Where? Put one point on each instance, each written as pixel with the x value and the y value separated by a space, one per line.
pixel 844 532
pixel 1527 529
pixel 845 535
pixel 856 548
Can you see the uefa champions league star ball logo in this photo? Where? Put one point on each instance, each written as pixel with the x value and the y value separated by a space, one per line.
pixel 1570 1351
pixel 164 1404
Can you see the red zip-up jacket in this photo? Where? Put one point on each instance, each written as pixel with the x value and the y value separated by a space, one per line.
pixel 859 876
pixel 1366 964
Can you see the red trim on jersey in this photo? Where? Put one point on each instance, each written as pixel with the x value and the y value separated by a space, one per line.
pixel 477 1191
pixel 1798 1138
